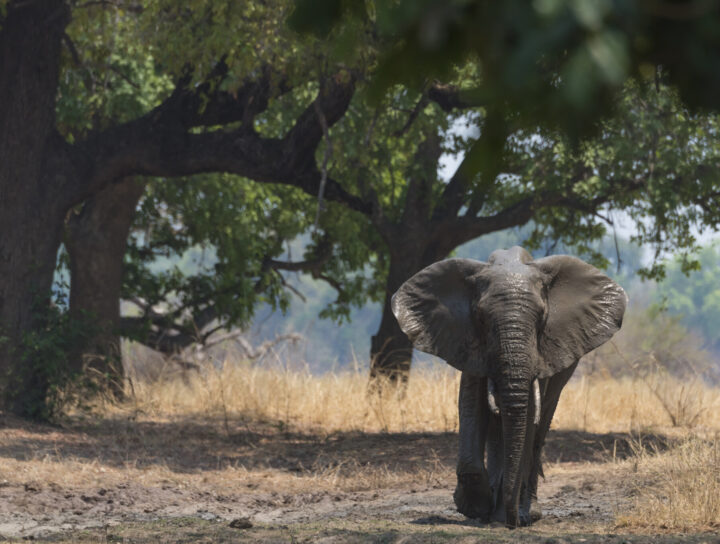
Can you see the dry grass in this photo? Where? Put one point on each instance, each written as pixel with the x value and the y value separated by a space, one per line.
pixel 652 403
pixel 339 401
pixel 677 490
pixel 251 429
pixel 296 399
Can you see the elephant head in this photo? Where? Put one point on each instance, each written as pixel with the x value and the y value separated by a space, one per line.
pixel 513 320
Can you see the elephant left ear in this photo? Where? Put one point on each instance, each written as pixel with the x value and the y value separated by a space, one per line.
pixel 585 309
pixel 434 309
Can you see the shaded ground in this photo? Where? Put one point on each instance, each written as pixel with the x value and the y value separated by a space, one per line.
pixel 172 481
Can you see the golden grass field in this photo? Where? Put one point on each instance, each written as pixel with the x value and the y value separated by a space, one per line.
pixel 680 486
pixel 339 401
pixel 273 438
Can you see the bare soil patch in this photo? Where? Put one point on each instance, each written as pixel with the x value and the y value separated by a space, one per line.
pixel 185 480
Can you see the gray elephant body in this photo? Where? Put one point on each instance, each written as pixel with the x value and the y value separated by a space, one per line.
pixel 516 328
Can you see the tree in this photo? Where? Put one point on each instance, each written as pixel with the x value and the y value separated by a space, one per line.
pixel 561 64
pixel 45 170
pixel 552 72
pixel 653 160
pixel 694 297
pixel 217 68
pixel 96 239
pixel 389 157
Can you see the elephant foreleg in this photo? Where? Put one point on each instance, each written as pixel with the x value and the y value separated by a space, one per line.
pixel 472 495
pixel 550 390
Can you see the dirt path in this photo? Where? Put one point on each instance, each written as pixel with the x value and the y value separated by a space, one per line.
pixel 187 481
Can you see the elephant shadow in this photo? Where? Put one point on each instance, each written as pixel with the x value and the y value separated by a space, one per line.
pixel 447 520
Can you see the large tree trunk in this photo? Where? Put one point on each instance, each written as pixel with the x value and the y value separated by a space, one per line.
pixel 96 243
pixel 27 264
pixel 31 210
pixel 391 349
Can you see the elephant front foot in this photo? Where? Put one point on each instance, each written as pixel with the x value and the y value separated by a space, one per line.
pixel 535 511
pixel 473 496
pixel 521 518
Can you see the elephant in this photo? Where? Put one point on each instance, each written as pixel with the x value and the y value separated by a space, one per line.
pixel 516 328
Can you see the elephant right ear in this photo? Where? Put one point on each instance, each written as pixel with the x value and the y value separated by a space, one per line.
pixel 434 309
pixel 585 309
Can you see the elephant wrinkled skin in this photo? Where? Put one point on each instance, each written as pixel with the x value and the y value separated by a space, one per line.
pixel 515 327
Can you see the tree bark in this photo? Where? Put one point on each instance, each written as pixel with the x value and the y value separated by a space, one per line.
pixel 411 248
pixel 390 348
pixel 42 176
pixel 96 242
pixel 31 210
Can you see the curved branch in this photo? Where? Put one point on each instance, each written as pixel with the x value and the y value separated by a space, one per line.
pixel 168 333
pixel 162 144
pixel 450 97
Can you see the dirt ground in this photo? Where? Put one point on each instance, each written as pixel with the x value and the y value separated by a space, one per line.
pixel 129 480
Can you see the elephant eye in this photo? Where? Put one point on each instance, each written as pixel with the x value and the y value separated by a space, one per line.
pixel 478 315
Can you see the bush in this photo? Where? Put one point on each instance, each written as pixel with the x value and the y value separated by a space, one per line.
pixel 47 366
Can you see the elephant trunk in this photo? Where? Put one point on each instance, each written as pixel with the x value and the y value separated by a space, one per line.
pixel 514 391
pixel 514 397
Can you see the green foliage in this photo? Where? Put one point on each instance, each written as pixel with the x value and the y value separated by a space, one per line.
pixel 653 159
pixel 188 38
pixel 46 370
pixel 237 224
pixel 329 344
pixel 558 64
pixel 121 61
pixel 539 75
pixel 108 75
pixel 694 295
pixel 650 342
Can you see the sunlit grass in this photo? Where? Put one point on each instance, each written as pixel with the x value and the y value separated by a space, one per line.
pixel 339 401
pixel 296 398
pixel 677 490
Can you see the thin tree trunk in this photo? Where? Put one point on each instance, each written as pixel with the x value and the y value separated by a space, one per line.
pixel 31 211
pixel 96 243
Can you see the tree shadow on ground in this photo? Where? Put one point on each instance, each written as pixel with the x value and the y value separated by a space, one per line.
pixel 187 445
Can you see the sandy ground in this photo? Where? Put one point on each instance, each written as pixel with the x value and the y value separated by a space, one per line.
pixel 124 480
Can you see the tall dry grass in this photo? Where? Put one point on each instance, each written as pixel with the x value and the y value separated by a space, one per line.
pixel 297 399
pixel 637 404
pixel 678 489
pixel 339 401
pixel 675 489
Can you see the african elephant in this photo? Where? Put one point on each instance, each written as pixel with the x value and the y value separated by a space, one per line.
pixel 515 327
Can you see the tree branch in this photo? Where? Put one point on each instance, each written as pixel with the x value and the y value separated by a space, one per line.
pixel 161 143
pixel 422 175
pixel 326 159
pixel 413 115
pixel 333 100
pixel 450 97
pixel 453 232
pixel 455 191
pixel 167 331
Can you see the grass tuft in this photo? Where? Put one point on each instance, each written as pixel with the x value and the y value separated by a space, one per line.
pixel 678 489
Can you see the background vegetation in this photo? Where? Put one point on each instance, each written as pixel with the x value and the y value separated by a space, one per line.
pixel 205 208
